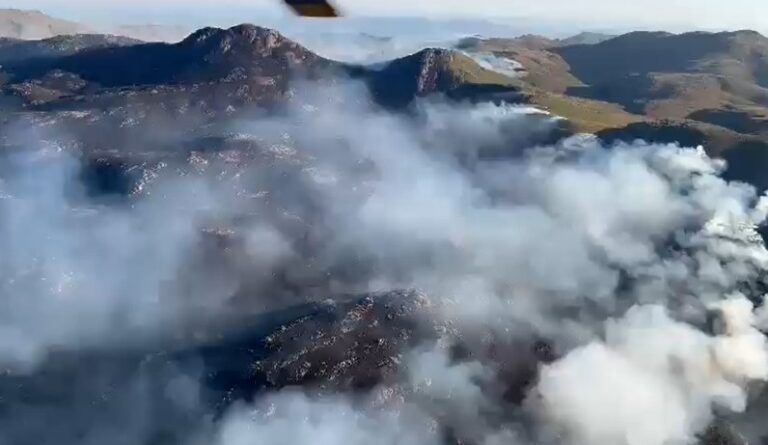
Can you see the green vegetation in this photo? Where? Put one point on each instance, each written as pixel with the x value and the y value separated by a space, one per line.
pixel 465 70
pixel 584 115
pixel 715 84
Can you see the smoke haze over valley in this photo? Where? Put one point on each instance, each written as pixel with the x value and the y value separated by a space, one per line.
pixel 440 235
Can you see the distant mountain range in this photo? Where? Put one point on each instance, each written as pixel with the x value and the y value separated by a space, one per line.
pixel 34 25
pixel 104 89
pixel 260 58
pixel 708 88
pixel 695 88
pixel 24 24
pixel 715 79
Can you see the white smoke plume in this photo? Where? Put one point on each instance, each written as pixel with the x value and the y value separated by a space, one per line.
pixel 78 274
pixel 510 236
pixel 502 65
pixel 293 418
pixel 654 380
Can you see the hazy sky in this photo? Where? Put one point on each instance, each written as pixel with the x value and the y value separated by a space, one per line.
pixel 604 13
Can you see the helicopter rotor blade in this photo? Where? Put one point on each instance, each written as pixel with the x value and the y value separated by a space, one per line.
pixel 312 8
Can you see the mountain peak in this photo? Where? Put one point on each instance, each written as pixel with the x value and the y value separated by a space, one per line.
pixel 243 53
pixel 748 36
pixel 244 34
pixel 434 70
pixel 747 32
pixel 585 38
pixel 434 53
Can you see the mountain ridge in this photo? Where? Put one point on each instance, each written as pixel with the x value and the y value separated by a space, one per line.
pixel 259 57
pixel 704 90
pixel 712 81
pixel 102 94
pixel 202 56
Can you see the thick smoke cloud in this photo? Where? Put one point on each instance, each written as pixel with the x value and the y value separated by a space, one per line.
pixel 574 222
pixel 291 418
pixel 653 379
pixel 607 252
pixel 81 274
pixel 533 241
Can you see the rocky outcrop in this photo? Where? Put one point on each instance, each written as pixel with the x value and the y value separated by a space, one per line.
pixel 433 71
pixel 356 345
pixel 346 344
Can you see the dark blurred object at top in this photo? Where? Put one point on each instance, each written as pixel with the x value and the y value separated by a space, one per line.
pixel 312 8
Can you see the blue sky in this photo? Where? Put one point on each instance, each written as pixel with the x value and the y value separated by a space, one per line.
pixel 661 14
